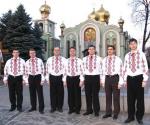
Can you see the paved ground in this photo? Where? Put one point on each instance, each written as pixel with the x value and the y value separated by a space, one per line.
pixel 34 118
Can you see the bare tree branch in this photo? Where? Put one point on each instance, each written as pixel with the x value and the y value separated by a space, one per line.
pixel 140 15
pixel 148 36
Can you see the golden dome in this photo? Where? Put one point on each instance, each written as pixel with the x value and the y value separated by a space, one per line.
pixel 102 15
pixel 92 15
pixel 45 9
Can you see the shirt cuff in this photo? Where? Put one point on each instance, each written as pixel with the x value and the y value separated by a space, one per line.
pixel 5 78
pixel 64 78
pixel 145 77
pixel 42 78
pixel 47 78
pixel 81 78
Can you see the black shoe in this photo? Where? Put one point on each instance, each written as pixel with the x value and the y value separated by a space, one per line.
pixel 96 114
pixel 60 110
pixel 52 110
pixel 70 112
pixel 20 109
pixel 128 120
pixel 77 112
pixel 87 113
pixel 115 117
pixel 31 110
pixel 107 116
pixel 140 122
pixel 41 112
pixel 11 109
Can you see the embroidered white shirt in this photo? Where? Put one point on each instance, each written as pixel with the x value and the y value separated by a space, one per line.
pixel 74 67
pixel 38 67
pixel 55 67
pixel 141 66
pixel 96 65
pixel 10 68
pixel 112 68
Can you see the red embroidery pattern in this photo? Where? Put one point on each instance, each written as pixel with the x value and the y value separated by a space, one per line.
pixel 58 63
pixel 109 66
pixel 72 67
pixel 33 65
pixel 133 64
pixel 75 65
pixel 15 66
pixel 88 61
pixel 90 64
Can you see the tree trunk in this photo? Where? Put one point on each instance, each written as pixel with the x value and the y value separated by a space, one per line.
pixel 145 27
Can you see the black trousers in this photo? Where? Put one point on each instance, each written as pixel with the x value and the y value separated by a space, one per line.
pixel 111 90
pixel 36 89
pixel 92 87
pixel 74 93
pixel 135 96
pixel 56 92
pixel 15 91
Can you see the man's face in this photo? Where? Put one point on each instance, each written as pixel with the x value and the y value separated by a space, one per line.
pixel 110 51
pixel 57 51
pixel 133 45
pixel 15 53
pixel 72 52
pixel 91 50
pixel 32 54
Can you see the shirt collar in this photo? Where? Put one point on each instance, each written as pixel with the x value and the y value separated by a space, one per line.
pixel 134 51
pixel 72 57
pixel 15 58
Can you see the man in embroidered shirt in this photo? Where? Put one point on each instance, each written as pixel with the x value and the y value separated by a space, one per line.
pixel 112 80
pixel 135 76
pixel 55 66
pixel 35 77
pixel 92 65
pixel 14 72
pixel 74 80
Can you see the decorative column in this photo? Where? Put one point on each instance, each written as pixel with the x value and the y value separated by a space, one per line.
pixel 122 40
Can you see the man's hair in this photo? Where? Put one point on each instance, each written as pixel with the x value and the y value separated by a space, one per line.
pixel 32 49
pixel 111 47
pixel 56 47
pixel 15 49
pixel 132 40
pixel 72 48
pixel 91 46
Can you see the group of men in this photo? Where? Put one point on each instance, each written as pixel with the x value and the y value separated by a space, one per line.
pixel 74 73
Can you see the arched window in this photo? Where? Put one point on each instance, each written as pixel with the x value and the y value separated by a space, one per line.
pixel 74 43
pixel 67 49
pixel 41 27
pixel 111 39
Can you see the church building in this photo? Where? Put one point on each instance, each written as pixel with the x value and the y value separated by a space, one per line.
pixel 95 31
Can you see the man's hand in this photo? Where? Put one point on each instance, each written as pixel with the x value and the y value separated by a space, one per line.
pixel 102 84
pixel 119 86
pixel 143 84
pixel 5 82
pixel 125 84
pixel 81 83
pixel 65 84
pixel 48 82
pixel 42 82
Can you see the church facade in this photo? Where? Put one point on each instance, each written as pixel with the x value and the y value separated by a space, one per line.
pixel 95 31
